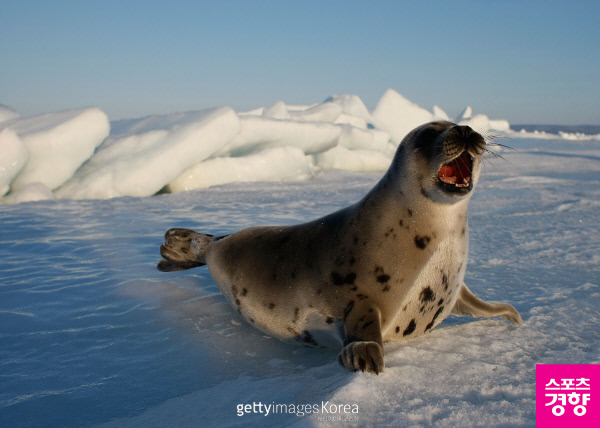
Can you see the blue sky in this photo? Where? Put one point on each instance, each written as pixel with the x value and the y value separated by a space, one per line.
pixel 528 62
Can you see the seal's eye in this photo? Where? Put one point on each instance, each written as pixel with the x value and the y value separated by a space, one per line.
pixel 457 172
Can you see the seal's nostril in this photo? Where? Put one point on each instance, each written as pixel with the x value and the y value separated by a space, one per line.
pixel 463 130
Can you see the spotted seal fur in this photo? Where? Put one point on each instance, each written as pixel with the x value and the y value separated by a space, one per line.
pixel 387 268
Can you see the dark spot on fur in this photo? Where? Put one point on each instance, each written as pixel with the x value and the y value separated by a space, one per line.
pixel 427 295
pixel 307 338
pixel 424 192
pixel 348 309
pixel 244 291
pixel 382 279
pixel 439 311
pixel 463 231
pixel 337 279
pixel 441 302
pixel 271 306
pixel 445 281
pixel 296 314
pixel 354 288
pixel 362 296
pixel 237 302
pixel 410 212
pixel 319 291
pixel 412 325
pixel 422 241
pixel 397 329
pixel 367 324
pixel 401 222
pixel 252 320
pixel 405 308
pixel 329 320
pixel 386 288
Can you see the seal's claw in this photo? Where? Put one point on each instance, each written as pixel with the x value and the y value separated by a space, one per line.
pixel 363 356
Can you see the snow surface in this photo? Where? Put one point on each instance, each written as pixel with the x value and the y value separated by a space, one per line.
pixel 70 154
pixel 93 334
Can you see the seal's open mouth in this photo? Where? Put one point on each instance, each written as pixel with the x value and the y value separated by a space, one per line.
pixel 455 176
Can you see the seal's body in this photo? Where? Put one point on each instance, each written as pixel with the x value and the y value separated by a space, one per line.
pixel 387 268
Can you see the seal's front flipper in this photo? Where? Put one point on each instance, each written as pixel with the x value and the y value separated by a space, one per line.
pixel 363 348
pixel 184 249
pixel 469 304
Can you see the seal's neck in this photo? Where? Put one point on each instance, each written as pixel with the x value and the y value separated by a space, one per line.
pixel 414 207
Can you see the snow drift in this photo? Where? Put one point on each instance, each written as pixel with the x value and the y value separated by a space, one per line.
pixel 71 154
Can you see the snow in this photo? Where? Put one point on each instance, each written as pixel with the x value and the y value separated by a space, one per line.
pixel 78 154
pixel 13 159
pixel 58 143
pixel 258 133
pixel 7 114
pixel 398 116
pixel 142 163
pixel 93 334
pixel 439 114
pixel 277 163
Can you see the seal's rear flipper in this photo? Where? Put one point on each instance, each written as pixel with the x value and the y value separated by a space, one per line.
pixel 469 304
pixel 184 249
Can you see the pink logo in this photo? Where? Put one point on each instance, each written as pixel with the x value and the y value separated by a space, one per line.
pixel 565 395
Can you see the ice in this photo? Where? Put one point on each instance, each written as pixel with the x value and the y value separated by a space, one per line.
pixel 439 114
pixel 92 334
pixel 273 164
pixel 58 143
pixel 7 114
pixel 355 138
pixel 398 116
pixel 465 115
pixel 359 160
pixel 72 153
pixel 499 125
pixel 277 111
pixel 142 163
pixel 351 105
pixel 258 133
pixel 13 159
pixel 479 122
pixel 324 112
pixel 30 193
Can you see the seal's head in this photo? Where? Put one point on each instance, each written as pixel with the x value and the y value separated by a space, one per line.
pixel 444 158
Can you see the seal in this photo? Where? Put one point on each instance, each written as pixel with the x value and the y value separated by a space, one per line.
pixel 388 268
